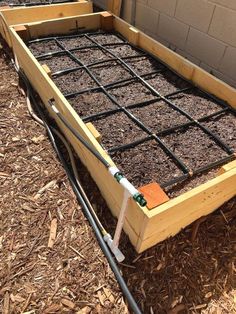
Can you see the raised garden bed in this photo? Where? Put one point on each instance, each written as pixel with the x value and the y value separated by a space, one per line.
pixel 18 12
pixel 155 125
pixel 144 114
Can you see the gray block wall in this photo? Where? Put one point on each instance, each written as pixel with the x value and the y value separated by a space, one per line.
pixel 203 31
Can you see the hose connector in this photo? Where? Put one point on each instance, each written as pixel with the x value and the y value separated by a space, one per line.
pixel 137 196
pixel 114 249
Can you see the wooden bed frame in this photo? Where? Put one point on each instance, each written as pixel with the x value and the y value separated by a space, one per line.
pixel 144 227
pixel 21 15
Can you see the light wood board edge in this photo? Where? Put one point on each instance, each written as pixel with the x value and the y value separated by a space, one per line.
pixel 20 15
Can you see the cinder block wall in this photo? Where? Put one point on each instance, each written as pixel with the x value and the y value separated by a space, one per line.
pixel 203 31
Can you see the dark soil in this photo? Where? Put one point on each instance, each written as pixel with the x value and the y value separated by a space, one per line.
pixel 110 73
pixel 91 103
pixel 158 116
pixel 103 39
pixel 146 163
pixel 166 82
pixel 191 145
pixel 131 93
pixel 59 63
pixel 77 42
pixel 144 65
pixel 118 129
pixel 74 81
pixel 42 47
pixel 87 56
pixel 124 51
pixel 196 104
pixel 224 125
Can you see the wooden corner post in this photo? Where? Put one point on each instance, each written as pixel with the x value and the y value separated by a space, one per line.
pixel 106 21
pixel 22 31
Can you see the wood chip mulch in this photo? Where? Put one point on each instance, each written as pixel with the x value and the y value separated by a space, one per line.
pixel 50 261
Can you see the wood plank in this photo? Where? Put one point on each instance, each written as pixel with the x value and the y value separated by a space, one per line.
pixel 227 167
pixel 65 25
pixel 94 131
pixel 23 15
pixel 47 70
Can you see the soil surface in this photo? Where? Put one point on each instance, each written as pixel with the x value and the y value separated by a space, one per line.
pixel 91 103
pixel 191 145
pixel 124 132
pixel 159 116
pixel 140 164
pixel 196 104
pixel 192 273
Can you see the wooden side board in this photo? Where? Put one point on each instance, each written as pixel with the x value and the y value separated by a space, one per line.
pixel 114 6
pixel 144 227
pixel 23 15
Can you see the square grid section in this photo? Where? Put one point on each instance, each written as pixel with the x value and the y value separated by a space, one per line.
pixel 139 105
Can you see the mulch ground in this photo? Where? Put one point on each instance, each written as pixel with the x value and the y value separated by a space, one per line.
pixel 194 272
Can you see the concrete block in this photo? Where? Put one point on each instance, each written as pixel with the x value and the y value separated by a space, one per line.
pixel 172 30
pixel 126 11
pixel 218 74
pixel 146 17
pixel 101 3
pixel 231 4
pixel 157 38
pixel 188 56
pixel 223 25
pixel 197 13
pixel 205 48
pixel 164 6
pixel 228 64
